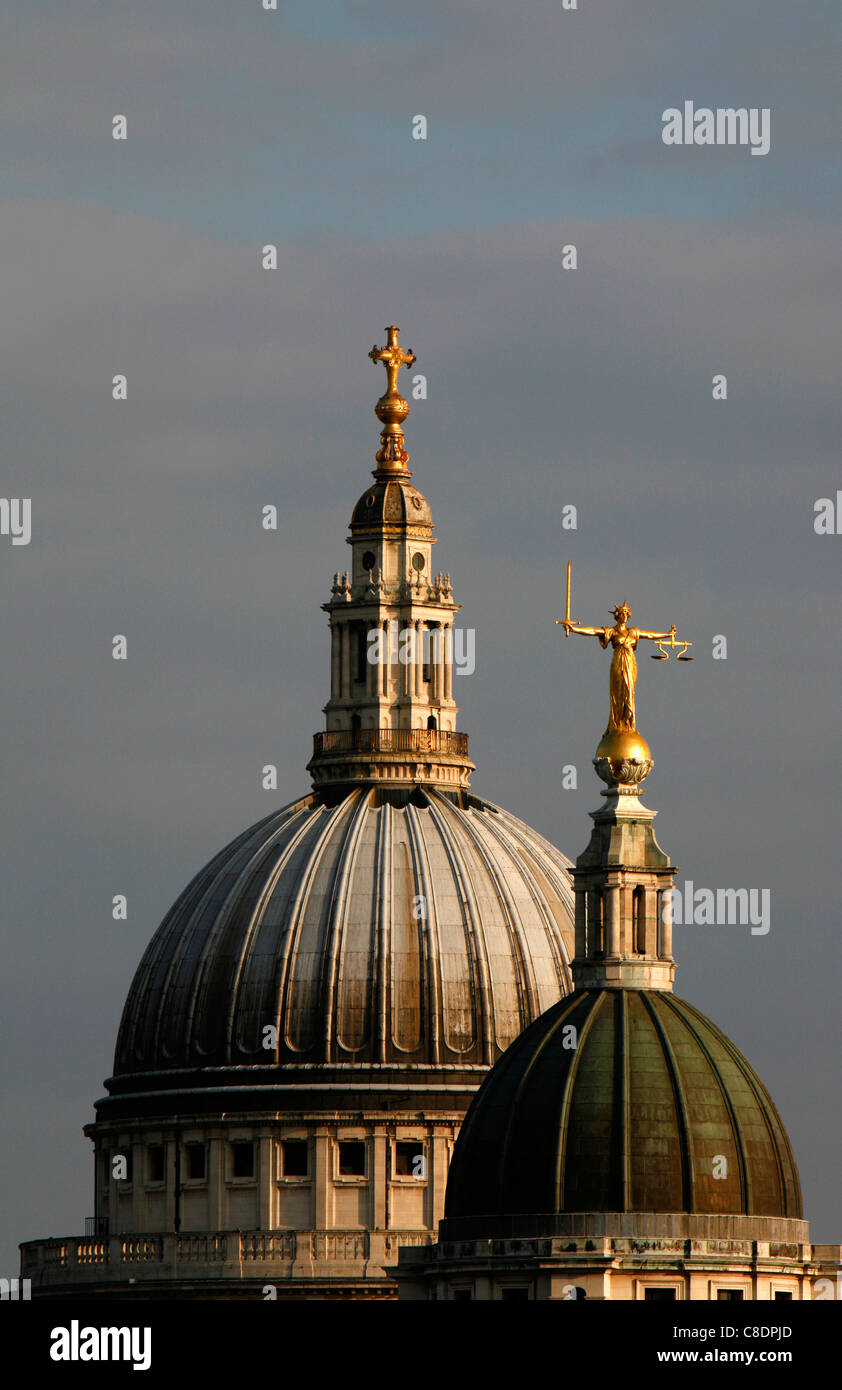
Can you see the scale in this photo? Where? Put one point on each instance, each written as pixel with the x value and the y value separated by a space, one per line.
pixel 672 641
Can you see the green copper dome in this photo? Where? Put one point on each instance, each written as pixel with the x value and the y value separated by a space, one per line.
pixel 622 1100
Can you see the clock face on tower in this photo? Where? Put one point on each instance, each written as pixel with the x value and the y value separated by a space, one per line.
pixel 369 559
pixel 418 561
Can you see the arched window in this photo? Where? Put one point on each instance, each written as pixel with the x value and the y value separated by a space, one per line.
pixel 431 722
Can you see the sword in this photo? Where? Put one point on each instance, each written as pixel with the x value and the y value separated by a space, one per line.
pixel 560 621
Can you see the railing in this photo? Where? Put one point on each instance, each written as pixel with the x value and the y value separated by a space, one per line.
pixel 144 1249
pixel 205 1249
pixel 339 1245
pixel 268 1245
pixel 390 741
pixel 69 1259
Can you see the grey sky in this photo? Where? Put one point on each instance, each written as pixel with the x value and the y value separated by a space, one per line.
pixel 545 387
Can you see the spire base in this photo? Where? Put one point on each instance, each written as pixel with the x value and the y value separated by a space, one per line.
pixel 623 883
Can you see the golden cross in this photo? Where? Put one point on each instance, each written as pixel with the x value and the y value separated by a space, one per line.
pixel 393 358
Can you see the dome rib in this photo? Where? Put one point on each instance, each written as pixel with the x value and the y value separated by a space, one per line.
pixel 567 1091
pixel 682 1113
pixel 383 928
pixel 622 1100
pixel 253 932
pixel 209 957
pixel 556 876
pixel 473 936
pixel 196 917
pixel 301 898
pixel 525 984
pixel 766 1108
pixel 425 881
pixel 336 925
pixel 567 1009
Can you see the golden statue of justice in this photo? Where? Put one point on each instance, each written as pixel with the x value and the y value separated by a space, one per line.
pixel 621 740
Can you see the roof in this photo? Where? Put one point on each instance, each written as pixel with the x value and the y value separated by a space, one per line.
pixel 623 1100
pixel 423 934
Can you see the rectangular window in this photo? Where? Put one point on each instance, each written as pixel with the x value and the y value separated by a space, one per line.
pixel 658 1295
pixel 242 1159
pixel 514 1294
pixel 196 1163
pixel 783 1293
pixel 352 1158
pixel 410 1161
pixel 462 1295
pixel 729 1294
pixel 155 1163
pixel 294 1158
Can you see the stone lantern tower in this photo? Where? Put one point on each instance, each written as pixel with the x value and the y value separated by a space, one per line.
pixel 391 716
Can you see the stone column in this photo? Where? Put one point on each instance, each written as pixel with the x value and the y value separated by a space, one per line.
pixel 217 1187
pixel 378 1180
pixel 441 665
pixel 406 666
pixel 581 913
pixel 419 659
pixel 612 896
pixel 384 669
pixel 439 1151
pixel 447 643
pixel 345 638
pixel 323 1180
pixel 265 1186
pixel 372 670
pixel 334 661
pixel 650 898
pixel 664 900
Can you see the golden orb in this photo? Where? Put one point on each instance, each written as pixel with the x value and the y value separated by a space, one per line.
pixel 624 745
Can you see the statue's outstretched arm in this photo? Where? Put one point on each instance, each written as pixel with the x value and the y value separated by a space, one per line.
pixel 585 631
pixel 656 636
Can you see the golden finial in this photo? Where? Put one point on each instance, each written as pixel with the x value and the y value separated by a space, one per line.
pixel 392 409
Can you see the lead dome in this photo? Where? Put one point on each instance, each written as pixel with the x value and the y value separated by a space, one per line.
pixel 633 1119
pixel 422 936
